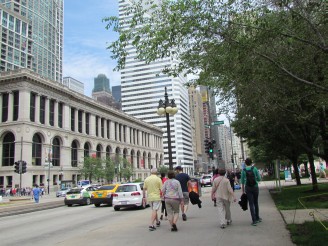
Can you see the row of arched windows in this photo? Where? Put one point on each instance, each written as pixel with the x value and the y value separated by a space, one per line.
pixel 8 152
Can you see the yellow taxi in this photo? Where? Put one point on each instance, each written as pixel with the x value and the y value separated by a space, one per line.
pixel 104 195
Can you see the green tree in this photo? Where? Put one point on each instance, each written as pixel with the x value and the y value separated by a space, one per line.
pixel 92 168
pixel 109 169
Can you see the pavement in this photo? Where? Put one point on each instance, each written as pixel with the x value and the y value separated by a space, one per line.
pixel 198 229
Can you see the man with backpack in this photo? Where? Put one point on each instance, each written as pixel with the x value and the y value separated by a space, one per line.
pixel 249 180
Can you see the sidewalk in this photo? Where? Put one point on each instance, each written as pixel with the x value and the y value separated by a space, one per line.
pixel 270 232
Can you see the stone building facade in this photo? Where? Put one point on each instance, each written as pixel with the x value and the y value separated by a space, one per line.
pixel 42 120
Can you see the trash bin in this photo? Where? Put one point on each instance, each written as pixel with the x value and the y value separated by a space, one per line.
pixel 195 186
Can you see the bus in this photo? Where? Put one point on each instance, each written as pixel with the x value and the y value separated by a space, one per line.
pixel 81 183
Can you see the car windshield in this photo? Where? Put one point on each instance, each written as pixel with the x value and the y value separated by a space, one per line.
pixel 207 177
pixel 107 187
pixel 74 191
pixel 126 188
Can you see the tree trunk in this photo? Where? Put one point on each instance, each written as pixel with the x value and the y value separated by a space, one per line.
pixel 313 175
pixel 306 170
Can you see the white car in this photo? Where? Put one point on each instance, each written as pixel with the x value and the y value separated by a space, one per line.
pixel 206 180
pixel 128 195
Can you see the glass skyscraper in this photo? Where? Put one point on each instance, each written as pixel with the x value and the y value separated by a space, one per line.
pixel 143 85
pixel 31 36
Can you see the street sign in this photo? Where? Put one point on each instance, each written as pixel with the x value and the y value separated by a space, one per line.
pixel 215 123
pixel 207 126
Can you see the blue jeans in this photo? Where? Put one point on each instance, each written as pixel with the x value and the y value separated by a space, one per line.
pixel 253 201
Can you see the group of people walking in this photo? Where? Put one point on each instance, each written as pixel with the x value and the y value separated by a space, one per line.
pixel 171 194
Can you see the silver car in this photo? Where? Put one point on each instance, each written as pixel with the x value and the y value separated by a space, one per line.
pixel 62 192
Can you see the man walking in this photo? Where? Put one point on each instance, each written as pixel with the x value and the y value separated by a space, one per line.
pixel 185 183
pixel 153 186
pixel 249 180
pixel 36 193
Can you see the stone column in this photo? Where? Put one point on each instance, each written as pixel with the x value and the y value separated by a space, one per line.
pixel 10 106
pixel 83 122
pixel 112 130
pixel 99 126
pixel 92 125
pixel 47 111
pixel 66 117
pixel 105 129
pixel 76 120
pixel 24 106
pixel 127 133
pixel 37 108
pixel 56 114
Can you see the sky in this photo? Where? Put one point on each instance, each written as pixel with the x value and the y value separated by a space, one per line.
pixel 86 39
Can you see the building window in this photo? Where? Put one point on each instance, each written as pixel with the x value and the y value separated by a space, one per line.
pixel 120 132
pixel 8 150
pixel 52 112
pixel 74 152
pixel 73 119
pixel 80 113
pixel 97 130
pixel 124 134
pixel 102 127
pixel 42 109
pixel 108 151
pixel 108 129
pixel 87 123
pixel 56 152
pixel 5 98
pixel 16 105
pixel 116 131
pixel 86 150
pixel 60 115
pixel 36 150
pixel 32 107
pixel 98 151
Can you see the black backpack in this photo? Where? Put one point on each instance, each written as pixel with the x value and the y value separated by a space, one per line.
pixel 250 177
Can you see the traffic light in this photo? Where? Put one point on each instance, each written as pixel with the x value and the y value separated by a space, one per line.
pixel 24 167
pixel 210 150
pixel 220 154
pixel 206 145
pixel 16 166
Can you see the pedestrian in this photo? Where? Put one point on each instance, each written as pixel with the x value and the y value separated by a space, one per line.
pixel 153 186
pixel 223 192
pixel 36 193
pixel 185 183
pixel 174 199
pixel 322 171
pixel 215 175
pixel 249 180
pixel 231 176
pixel 163 208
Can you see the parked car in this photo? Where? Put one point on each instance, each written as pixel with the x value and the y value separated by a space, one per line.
pixel 79 195
pixel 129 195
pixel 62 192
pixel 206 180
pixel 103 195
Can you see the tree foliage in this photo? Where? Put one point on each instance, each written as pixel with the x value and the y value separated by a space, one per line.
pixel 266 60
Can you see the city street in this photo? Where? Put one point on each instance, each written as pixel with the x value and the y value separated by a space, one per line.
pixel 88 225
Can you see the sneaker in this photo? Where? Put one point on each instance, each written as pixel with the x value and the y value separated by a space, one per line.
pixel 184 217
pixel 174 227
pixel 152 228
pixel 161 218
pixel 259 220
pixel 229 222
pixel 214 204
pixel 223 226
pixel 158 224
pixel 253 223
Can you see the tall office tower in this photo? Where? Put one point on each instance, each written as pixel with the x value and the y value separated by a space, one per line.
pixel 73 84
pixel 197 117
pixel 101 91
pixel 32 36
pixel 143 85
pixel 116 92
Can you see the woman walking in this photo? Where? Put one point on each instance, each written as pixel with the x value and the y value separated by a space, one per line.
pixel 222 191
pixel 173 197
pixel 163 209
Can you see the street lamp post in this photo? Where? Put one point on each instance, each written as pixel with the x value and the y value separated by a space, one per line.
pixel 168 108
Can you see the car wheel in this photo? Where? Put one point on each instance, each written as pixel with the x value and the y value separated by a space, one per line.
pixel 69 205
pixel 97 205
pixel 116 208
pixel 88 202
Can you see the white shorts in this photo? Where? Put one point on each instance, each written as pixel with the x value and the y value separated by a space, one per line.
pixel 155 205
